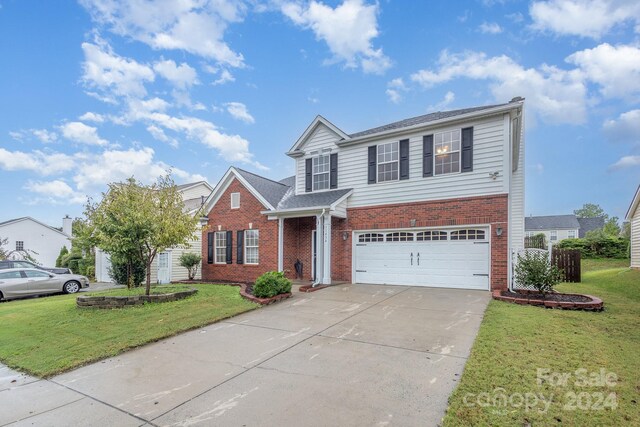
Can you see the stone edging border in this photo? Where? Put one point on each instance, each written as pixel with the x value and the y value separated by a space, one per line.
pixel 596 304
pixel 244 293
pixel 128 301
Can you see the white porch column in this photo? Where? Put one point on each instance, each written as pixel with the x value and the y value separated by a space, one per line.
pixel 326 237
pixel 319 249
pixel 280 244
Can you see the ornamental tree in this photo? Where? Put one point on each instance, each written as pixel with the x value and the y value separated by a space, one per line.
pixel 139 221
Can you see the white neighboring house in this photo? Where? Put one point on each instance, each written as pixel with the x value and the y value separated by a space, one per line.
pixel 166 265
pixel 633 216
pixel 42 242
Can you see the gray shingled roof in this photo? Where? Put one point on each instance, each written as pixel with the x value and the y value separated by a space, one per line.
pixel 272 191
pixel 552 222
pixel 289 181
pixel 589 224
pixel 311 200
pixel 183 186
pixel 439 115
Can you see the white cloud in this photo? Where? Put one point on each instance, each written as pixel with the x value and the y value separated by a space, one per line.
pixel 348 30
pixel 556 95
pixel 239 111
pixel 36 161
pixel 626 128
pixel 225 77
pixel 92 117
pixel 516 17
pixel 615 68
pixel 79 132
pixel 395 88
pixel 159 134
pixel 625 162
pixel 105 70
pixel 586 18
pixel 490 28
pixel 44 135
pixel 56 191
pixel 193 26
pixel 181 76
pixel 465 16
pixel 449 97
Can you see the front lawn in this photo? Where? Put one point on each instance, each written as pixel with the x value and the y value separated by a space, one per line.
pixel 46 336
pixel 590 362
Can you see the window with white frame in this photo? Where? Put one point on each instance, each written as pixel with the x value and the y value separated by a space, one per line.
pixel 424 236
pixel 470 234
pixel 400 237
pixel 447 152
pixel 19 245
pixel 388 162
pixel 221 247
pixel 251 246
pixel 235 200
pixel 553 235
pixel 571 234
pixel 321 166
pixel 371 237
pixel 529 234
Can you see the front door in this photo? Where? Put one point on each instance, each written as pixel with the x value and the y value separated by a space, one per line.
pixel 164 273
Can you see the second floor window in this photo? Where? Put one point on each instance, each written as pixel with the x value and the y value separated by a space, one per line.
pixel 321 172
pixel 447 152
pixel 553 235
pixel 19 245
pixel 388 162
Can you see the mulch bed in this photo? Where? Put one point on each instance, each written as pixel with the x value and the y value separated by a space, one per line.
pixel 246 291
pixel 551 300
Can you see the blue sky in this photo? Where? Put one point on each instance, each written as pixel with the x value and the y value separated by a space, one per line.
pixel 97 91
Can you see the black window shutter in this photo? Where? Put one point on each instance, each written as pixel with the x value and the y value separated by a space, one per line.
pixel 210 248
pixel 308 182
pixel 404 159
pixel 333 170
pixel 467 150
pixel 373 150
pixel 240 246
pixel 427 155
pixel 229 247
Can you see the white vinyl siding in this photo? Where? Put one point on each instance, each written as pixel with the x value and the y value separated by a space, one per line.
pixel 178 272
pixel 251 246
pixel 196 191
pixel 635 240
pixel 487 158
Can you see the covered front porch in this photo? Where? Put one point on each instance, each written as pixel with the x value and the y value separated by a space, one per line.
pixel 317 238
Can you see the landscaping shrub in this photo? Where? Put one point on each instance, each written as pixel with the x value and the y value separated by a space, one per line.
pixel 535 270
pixel 598 245
pixel 119 271
pixel 63 252
pixel 270 284
pixel 190 261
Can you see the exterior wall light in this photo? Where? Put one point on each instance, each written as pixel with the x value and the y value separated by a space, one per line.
pixel 345 235
pixel 499 231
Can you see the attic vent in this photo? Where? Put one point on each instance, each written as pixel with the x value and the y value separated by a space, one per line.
pixel 235 200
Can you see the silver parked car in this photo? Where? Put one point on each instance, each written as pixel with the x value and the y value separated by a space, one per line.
pixel 23 282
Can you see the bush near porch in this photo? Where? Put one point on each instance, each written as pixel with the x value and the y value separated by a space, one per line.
pixel 46 336
pixel 514 341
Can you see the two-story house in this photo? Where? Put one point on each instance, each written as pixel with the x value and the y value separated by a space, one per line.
pixel 435 200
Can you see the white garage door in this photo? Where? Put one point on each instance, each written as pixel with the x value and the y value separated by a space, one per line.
pixel 440 258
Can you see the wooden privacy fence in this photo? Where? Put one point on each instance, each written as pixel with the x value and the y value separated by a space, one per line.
pixel 568 260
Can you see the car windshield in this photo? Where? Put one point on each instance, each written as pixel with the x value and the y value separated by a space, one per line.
pixel 22 264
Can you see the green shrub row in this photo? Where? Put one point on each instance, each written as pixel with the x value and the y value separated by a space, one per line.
pixel 270 284
pixel 598 247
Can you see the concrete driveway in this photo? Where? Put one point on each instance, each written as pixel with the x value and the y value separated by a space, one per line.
pixel 346 355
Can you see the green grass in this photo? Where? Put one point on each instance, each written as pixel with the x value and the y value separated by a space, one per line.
pixel 46 336
pixel 516 340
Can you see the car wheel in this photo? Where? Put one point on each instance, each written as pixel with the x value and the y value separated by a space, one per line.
pixel 71 287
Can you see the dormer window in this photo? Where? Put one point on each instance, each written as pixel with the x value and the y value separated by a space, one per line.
pixel 321 172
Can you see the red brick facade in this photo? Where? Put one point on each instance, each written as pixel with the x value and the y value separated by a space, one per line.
pixel 483 210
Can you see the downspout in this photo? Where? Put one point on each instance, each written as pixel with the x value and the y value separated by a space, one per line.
pixel 316 282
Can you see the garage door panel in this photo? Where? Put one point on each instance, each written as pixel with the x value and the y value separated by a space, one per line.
pixel 442 263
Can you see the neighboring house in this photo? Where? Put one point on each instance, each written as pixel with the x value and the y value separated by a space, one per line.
pixel 29 236
pixel 633 216
pixel 166 266
pixel 560 227
pixel 435 200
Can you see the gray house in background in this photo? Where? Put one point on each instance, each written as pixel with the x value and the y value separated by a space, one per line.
pixel 560 227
